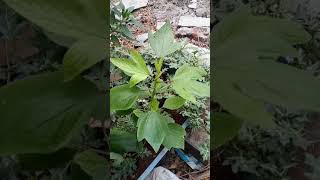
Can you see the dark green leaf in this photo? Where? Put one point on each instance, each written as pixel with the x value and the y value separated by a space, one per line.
pixel 36 162
pixel 250 77
pixel 47 112
pixel 83 55
pixel 73 18
pixel 93 164
pixel 225 127
pixel 122 141
pixel 123 97
pixel 78 174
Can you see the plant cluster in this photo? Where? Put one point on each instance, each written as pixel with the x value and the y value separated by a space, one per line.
pixel 120 19
pixel 153 125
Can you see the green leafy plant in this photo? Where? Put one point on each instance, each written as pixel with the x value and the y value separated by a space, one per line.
pixel 248 79
pixel 153 125
pixel 120 18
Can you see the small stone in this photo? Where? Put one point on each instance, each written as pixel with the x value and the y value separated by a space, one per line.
pixel 142 37
pixel 136 4
pixel 193 5
pixel 202 37
pixel 161 173
pixel 202 53
pixel 184 31
pixel 201 12
pixel 189 21
pixel 160 24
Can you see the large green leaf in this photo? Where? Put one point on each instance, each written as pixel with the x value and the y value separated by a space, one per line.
pixel 250 76
pixel 122 141
pixel 41 113
pixel 174 137
pixel 186 85
pixel 225 127
pixel 123 97
pixel 136 67
pixel 81 21
pixel 162 41
pixel 59 39
pixel 158 129
pixel 83 55
pixel 93 164
pixel 174 102
pixel 73 18
pixel 152 127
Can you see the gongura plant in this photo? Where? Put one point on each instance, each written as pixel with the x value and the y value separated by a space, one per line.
pixel 156 127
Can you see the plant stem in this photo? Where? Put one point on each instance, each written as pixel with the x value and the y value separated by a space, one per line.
pixel 155 83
